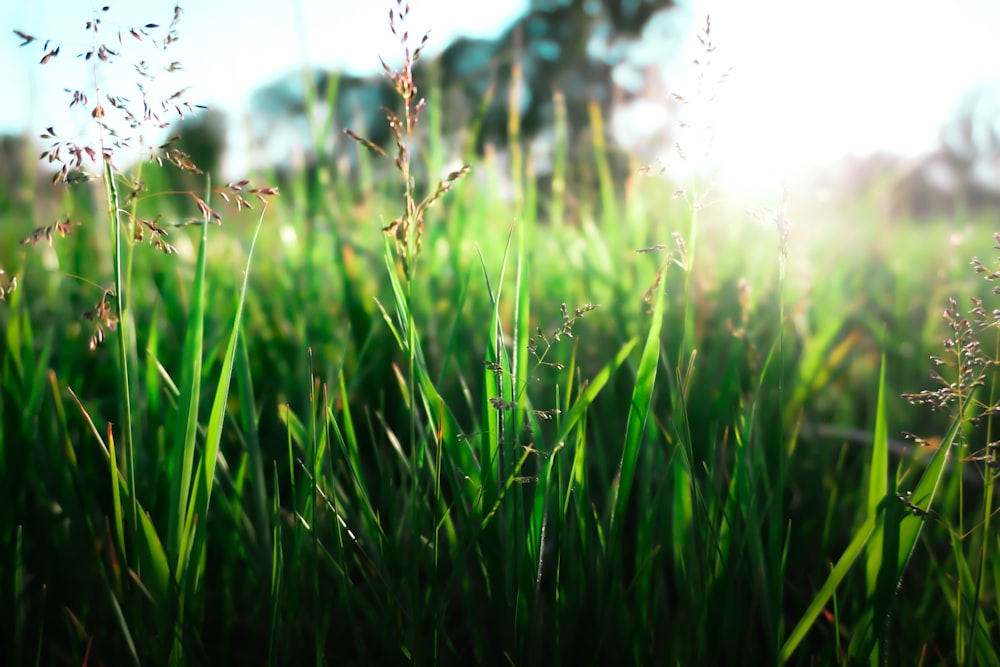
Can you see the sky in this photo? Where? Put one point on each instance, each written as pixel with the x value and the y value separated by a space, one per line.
pixel 813 81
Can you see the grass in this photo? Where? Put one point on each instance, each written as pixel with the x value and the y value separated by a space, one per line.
pixel 438 429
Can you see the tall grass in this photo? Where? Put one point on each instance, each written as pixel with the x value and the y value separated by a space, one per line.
pixel 443 430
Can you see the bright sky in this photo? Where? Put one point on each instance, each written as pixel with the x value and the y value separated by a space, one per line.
pixel 818 80
pixel 230 47
pixel 813 80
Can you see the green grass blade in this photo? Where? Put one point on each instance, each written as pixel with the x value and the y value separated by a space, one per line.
pixel 116 492
pixel 496 369
pixel 123 330
pixel 248 415
pixel 593 388
pixel 883 545
pixel 182 456
pixel 903 536
pixel 152 557
pixel 122 624
pixel 878 477
pixel 197 513
pixel 829 587
pixel 573 417
pixel 277 571
pixel 635 423
pixel 881 580
pixel 922 498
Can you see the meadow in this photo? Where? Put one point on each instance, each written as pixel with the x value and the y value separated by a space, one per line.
pixel 396 420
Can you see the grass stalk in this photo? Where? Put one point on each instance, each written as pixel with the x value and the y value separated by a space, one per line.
pixel 123 330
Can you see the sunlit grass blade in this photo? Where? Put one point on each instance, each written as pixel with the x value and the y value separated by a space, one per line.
pixel 880 580
pixel 401 323
pixel 922 498
pixel 196 524
pixel 523 417
pixel 496 395
pixel 572 418
pixel 605 182
pixel 635 424
pixel 557 201
pixel 124 330
pixel 348 437
pixel 822 354
pixel 183 451
pixel 893 564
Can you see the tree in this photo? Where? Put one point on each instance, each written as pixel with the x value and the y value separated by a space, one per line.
pixel 970 142
pixel 582 49
pixel 15 188
pixel 964 172
pixel 203 138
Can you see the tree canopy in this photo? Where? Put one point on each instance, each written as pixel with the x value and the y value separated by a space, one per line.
pixel 581 49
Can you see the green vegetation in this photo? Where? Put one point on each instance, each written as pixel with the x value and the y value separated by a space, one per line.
pixel 434 428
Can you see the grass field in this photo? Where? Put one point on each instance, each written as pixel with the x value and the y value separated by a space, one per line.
pixel 629 428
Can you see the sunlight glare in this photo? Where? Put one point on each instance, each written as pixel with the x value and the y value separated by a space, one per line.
pixel 814 83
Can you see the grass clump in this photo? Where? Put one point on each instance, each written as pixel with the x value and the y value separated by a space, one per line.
pixel 469 440
pixel 148 570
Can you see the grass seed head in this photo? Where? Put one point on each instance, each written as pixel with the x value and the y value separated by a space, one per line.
pixel 120 124
pixel 407 230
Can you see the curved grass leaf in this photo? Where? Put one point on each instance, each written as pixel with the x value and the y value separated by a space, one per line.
pixel 829 587
pixel 197 511
pixel 635 425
